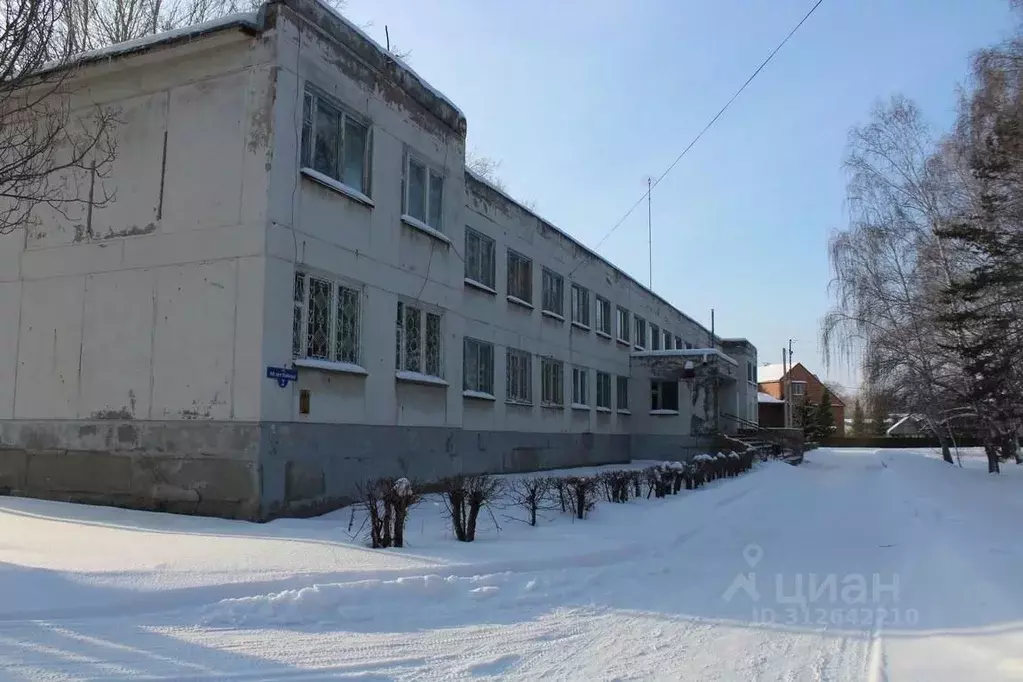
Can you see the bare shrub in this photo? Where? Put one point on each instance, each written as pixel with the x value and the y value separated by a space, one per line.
pixel 532 494
pixel 580 492
pixel 616 485
pixel 465 496
pixel 387 502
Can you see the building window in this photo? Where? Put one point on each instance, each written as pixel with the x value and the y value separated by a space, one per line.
pixel 623 393
pixel 424 192
pixel 798 388
pixel 552 390
pixel 603 316
pixel 655 337
pixel 520 277
pixel 480 265
pixel 678 344
pixel 667 341
pixel 417 347
pixel 664 395
pixel 623 325
pixel 335 143
pixel 553 293
pixel 580 387
pixel 519 377
pixel 640 332
pixel 604 390
pixel 580 305
pixel 326 320
pixel 478 366
pixel 750 373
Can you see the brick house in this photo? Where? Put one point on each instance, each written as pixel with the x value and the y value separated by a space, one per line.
pixel 771 381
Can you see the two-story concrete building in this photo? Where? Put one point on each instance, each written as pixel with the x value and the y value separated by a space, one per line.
pixel 299 287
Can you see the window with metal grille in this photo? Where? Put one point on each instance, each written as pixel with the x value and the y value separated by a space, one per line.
pixel 325 319
pixel 417 341
pixel 477 366
pixel 552 375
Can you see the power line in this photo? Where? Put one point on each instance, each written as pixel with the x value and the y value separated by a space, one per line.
pixel 711 123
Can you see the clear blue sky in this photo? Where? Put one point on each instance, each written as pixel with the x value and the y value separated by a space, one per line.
pixel 581 100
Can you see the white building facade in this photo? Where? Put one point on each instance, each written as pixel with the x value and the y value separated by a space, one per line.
pixel 299 287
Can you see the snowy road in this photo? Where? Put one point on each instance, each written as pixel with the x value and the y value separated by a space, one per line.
pixel 857 565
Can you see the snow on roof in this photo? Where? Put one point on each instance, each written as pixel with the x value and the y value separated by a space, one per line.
pixel 246 19
pixel 683 352
pixel 770 372
pixel 422 81
pixel 767 398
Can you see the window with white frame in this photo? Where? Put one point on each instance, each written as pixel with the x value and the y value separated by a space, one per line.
pixel 798 388
pixel 553 292
pixel 667 340
pixel 552 389
pixel 663 395
pixel 603 314
pixel 477 366
pixel 519 367
pixel 623 393
pixel 424 192
pixel 335 142
pixel 640 332
pixel 417 345
pixel 580 386
pixel 604 390
pixel 655 337
pixel 480 265
pixel 624 326
pixel 520 277
pixel 326 319
pixel 580 305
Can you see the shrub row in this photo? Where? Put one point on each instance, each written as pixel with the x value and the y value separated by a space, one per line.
pixel 387 501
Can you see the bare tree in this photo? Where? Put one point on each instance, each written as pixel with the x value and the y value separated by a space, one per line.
pixel 52 149
pixel 485 167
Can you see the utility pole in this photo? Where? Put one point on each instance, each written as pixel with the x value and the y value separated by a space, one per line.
pixel 788 389
pixel 650 230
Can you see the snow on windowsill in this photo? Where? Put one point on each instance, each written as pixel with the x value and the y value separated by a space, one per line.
pixel 337 186
pixel 518 403
pixel 603 335
pixel 638 348
pixel 624 411
pixel 580 325
pixel 470 282
pixel 606 410
pixel 418 224
pixel 518 301
pixel 664 413
pixel 580 406
pixel 420 378
pixel 330 366
pixel 553 315
pixel 478 395
pixel 624 342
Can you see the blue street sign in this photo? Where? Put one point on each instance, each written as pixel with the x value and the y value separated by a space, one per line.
pixel 282 374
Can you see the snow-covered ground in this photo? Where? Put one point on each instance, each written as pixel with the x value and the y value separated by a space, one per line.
pixel 909 569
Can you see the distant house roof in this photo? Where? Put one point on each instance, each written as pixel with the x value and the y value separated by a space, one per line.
pixel 767 398
pixel 769 373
